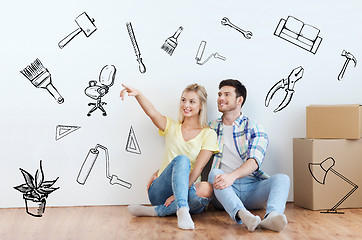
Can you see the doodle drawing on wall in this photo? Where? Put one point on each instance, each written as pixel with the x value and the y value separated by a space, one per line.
pixel 171 43
pixel 88 165
pixel 85 24
pixel 297 32
pixel 35 191
pixel 141 66
pixel 96 92
pixel 348 57
pixel 286 84
pixel 319 172
pixel 63 130
pixel 200 53
pixel 226 22
pixel 40 77
pixel 132 143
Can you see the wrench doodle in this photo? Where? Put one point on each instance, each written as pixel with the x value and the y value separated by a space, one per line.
pixel 226 22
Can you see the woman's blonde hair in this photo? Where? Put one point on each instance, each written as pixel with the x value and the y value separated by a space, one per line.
pixel 202 94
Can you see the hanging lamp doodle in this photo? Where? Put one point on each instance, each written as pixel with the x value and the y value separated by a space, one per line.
pixel 286 84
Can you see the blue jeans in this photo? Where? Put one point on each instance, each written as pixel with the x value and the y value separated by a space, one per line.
pixel 174 180
pixel 252 193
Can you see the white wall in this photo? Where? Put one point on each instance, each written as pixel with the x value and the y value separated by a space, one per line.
pixel 29 116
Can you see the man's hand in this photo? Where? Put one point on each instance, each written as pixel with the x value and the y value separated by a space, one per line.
pixel 169 200
pixel 223 181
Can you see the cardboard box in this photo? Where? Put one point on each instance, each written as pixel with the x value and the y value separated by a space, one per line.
pixel 340 178
pixel 334 121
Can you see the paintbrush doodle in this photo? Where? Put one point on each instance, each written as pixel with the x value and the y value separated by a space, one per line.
pixel 200 52
pixel 226 22
pixel 96 92
pixel 132 143
pixel 171 43
pixel 286 84
pixel 35 191
pixel 348 57
pixel 40 77
pixel 63 130
pixel 85 24
pixel 88 165
pixel 295 31
pixel 141 66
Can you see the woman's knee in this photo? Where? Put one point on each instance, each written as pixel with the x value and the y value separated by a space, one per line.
pixel 182 159
pixel 204 189
pixel 213 173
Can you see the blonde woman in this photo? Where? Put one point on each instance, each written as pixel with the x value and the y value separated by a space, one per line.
pixel 189 144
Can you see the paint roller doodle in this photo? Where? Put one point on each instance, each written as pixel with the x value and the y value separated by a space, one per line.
pixel 200 52
pixel 86 25
pixel 88 165
pixel 40 77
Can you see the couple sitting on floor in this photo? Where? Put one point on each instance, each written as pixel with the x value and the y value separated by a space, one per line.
pixel 235 182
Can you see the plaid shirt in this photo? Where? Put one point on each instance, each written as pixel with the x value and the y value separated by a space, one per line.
pixel 250 140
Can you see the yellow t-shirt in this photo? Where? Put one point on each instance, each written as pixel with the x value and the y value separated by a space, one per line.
pixel 175 144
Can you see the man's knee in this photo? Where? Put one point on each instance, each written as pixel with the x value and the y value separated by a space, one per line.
pixel 281 179
pixel 213 173
pixel 204 189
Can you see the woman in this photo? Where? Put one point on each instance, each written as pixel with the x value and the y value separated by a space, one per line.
pixel 189 144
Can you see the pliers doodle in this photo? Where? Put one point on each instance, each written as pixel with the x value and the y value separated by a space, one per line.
pixel 288 85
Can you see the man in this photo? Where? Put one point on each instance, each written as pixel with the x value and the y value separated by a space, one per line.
pixel 235 175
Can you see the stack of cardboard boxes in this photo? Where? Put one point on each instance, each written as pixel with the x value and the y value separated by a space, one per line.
pixel 327 165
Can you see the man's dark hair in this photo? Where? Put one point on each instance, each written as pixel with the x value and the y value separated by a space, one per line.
pixel 240 89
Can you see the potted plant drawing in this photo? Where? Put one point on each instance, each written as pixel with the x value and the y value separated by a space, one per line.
pixel 35 191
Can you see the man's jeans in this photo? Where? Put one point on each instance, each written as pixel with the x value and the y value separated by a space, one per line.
pixel 252 193
pixel 174 180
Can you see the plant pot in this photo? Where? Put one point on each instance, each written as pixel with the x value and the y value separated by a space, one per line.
pixel 34 208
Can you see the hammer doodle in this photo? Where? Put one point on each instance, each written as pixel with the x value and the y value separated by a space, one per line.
pixel 226 22
pixel 200 52
pixel 295 31
pixel 85 24
pixel 132 143
pixel 141 66
pixel 349 57
pixel 286 84
pixel 96 92
pixel 88 165
pixel 62 131
pixel 35 191
pixel 171 43
pixel 40 77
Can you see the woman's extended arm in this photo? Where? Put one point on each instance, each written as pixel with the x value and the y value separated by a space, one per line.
pixel 157 118
pixel 201 161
